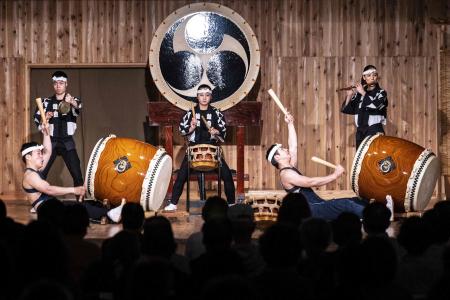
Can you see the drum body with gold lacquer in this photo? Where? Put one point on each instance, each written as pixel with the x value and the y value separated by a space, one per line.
pixel 125 168
pixel 385 165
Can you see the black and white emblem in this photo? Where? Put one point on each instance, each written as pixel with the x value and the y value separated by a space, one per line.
pixel 122 164
pixel 204 43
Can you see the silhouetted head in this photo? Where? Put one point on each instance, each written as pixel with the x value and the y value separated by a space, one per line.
pixel 294 209
pixel 132 216
pixel 376 218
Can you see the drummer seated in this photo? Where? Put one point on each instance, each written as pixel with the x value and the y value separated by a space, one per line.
pixel 203 126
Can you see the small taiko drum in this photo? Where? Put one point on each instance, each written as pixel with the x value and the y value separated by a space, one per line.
pixel 204 157
pixel 125 168
pixel 265 206
pixel 385 165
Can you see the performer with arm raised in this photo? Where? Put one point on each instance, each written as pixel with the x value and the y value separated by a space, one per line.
pixel 36 158
pixel 285 160
pixel 368 102
pixel 197 132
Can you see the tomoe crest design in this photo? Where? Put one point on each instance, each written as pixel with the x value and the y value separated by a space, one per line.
pixel 204 43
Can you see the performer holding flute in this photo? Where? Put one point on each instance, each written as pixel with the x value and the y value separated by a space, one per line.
pixel 61 111
pixel 368 102
pixel 203 124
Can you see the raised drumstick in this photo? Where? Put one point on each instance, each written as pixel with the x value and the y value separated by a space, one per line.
pixel 209 127
pixel 277 101
pixel 41 110
pixel 323 162
pixel 192 109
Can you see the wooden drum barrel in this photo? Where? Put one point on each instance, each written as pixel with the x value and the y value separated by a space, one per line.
pixel 126 168
pixel 385 165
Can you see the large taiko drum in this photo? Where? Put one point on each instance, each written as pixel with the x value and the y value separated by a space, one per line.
pixel 385 165
pixel 125 168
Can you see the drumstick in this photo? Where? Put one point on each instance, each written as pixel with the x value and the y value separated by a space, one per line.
pixel 193 110
pixel 277 101
pixel 323 162
pixel 209 127
pixel 41 110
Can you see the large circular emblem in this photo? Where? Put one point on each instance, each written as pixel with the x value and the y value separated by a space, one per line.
pixel 204 43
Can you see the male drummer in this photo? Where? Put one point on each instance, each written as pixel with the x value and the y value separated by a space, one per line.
pixel 38 190
pixel 61 111
pixel 196 131
pixel 36 158
pixel 294 182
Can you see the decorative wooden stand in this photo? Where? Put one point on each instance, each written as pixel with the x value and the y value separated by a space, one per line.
pixel 243 114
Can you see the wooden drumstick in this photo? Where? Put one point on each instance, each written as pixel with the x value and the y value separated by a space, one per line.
pixel 277 101
pixel 192 109
pixel 209 127
pixel 41 110
pixel 323 162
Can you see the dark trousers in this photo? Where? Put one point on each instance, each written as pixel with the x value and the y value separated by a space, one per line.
pixel 225 174
pixel 363 132
pixel 72 162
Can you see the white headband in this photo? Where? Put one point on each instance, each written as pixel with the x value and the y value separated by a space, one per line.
pixel 370 71
pixel 204 90
pixel 60 78
pixel 32 148
pixel 273 151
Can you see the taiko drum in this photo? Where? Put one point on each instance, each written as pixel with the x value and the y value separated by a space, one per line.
pixel 385 165
pixel 126 168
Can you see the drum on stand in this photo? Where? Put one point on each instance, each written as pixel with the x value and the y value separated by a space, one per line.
pixel 265 205
pixel 125 168
pixel 385 165
pixel 204 157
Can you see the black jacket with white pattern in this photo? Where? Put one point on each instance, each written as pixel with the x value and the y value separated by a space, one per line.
pixel 214 118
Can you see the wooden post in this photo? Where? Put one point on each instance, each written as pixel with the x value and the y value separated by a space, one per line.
pixel 240 139
pixel 168 145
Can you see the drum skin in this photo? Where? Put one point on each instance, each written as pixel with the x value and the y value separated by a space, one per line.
pixel 126 168
pixel 409 159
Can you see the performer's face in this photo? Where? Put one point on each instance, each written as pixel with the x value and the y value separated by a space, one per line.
pixel 59 86
pixel 204 98
pixel 371 78
pixel 283 154
pixel 36 159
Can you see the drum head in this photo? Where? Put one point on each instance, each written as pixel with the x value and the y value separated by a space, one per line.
pixel 156 182
pixel 426 184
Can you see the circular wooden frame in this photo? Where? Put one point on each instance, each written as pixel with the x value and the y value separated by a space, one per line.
pixel 253 69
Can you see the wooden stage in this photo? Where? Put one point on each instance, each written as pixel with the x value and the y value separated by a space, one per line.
pixel 183 224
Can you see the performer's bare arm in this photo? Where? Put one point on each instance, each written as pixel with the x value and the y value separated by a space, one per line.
pixel 47 143
pixel 292 138
pixel 33 180
pixel 290 178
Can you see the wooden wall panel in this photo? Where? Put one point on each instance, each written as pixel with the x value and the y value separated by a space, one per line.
pixel 12 123
pixel 308 49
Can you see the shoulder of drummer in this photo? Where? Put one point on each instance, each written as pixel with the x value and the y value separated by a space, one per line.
pixel 185 123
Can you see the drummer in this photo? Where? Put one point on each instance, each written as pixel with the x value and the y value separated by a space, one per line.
pixel 38 190
pixel 285 160
pixel 196 131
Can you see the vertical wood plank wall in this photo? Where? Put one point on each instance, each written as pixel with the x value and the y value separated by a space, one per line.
pixel 309 48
